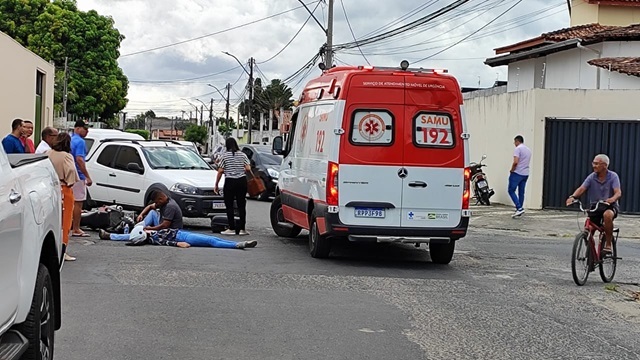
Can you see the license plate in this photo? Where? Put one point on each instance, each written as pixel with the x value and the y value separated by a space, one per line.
pixel 482 184
pixel 218 205
pixel 369 213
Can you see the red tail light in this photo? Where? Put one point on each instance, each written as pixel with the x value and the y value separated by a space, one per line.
pixel 466 193
pixel 332 184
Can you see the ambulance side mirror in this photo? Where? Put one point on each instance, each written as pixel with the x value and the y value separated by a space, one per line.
pixel 277 148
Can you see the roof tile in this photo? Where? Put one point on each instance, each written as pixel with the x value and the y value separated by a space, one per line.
pixel 623 65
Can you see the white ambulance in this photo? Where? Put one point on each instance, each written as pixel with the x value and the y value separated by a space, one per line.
pixel 377 155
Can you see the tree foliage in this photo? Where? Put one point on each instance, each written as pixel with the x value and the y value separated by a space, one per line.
pixel 274 96
pixel 144 133
pixel 57 30
pixel 196 133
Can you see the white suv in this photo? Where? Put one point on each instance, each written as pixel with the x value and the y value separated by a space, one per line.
pixel 125 172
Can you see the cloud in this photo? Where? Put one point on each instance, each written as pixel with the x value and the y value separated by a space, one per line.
pixel 148 24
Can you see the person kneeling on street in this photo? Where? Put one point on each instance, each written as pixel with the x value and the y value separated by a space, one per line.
pixel 160 223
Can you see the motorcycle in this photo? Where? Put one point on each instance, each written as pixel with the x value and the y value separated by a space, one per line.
pixel 480 184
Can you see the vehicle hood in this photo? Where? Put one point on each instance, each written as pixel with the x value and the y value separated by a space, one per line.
pixel 204 179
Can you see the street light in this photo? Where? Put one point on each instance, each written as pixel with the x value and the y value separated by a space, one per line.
pixel 194 107
pixel 250 73
pixel 226 98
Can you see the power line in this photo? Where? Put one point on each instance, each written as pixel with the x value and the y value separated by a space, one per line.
pixel 352 34
pixel 182 80
pixel 473 33
pixel 212 34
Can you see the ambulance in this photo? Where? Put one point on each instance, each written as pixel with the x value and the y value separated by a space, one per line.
pixel 376 155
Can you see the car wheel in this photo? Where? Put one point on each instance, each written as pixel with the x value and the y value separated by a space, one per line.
pixel 40 324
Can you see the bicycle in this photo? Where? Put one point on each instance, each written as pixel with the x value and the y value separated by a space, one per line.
pixel 593 256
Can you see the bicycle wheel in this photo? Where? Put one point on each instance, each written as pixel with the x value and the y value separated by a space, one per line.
pixel 608 264
pixel 580 257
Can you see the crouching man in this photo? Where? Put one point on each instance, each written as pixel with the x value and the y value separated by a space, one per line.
pixel 162 225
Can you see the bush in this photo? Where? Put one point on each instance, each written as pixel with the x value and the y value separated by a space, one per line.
pixel 143 133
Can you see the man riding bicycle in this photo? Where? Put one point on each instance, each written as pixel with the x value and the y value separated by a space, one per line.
pixel 601 185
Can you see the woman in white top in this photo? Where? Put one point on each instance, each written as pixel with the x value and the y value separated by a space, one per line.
pixel 234 164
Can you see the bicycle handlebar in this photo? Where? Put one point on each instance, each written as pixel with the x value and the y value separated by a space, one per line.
pixel 577 201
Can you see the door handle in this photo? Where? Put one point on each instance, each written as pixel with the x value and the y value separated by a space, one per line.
pixel 112 175
pixel 14 197
pixel 420 184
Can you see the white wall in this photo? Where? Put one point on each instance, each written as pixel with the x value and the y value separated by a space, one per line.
pixel 495 120
pixel 570 70
pixel 521 75
pixel 18 68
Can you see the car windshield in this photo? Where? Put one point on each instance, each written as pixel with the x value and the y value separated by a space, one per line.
pixel 270 159
pixel 174 157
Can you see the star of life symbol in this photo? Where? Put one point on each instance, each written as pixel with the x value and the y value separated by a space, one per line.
pixel 371 127
pixel 411 214
pixel 305 125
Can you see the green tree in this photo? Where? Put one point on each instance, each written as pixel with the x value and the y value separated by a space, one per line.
pixel 256 109
pixel 196 134
pixel 275 96
pixel 140 121
pixel 57 30
pixel 144 133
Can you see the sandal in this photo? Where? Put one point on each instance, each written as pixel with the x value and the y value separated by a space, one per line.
pixel 80 235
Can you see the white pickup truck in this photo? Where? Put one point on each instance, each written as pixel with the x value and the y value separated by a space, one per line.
pixel 30 256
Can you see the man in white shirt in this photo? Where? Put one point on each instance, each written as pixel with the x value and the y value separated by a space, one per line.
pixel 49 136
pixel 519 174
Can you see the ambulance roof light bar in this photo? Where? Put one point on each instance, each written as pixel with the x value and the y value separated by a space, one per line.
pixel 404 66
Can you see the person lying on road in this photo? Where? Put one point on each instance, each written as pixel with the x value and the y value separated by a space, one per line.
pixel 162 224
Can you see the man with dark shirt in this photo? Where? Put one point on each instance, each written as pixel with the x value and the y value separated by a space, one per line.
pixel 162 221
pixel 11 143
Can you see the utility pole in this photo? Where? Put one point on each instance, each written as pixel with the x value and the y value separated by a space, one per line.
pixel 211 124
pixel 201 112
pixel 65 94
pixel 227 107
pixel 250 97
pixel 329 51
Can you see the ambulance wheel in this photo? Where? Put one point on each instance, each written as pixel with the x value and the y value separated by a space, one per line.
pixel 442 253
pixel 278 221
pixel 319 246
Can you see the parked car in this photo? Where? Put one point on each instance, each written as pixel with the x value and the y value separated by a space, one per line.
pixel 376 155
pixel 266 165
pixel 125 172
pixel 96 135
pixel 31 256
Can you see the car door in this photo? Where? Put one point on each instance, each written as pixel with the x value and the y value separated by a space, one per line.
pixel 101 171
pixel 126 185
pixel 12 203
pixel 251 155
pixel 433 154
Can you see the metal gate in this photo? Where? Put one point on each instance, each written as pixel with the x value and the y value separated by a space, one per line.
pixel 570 146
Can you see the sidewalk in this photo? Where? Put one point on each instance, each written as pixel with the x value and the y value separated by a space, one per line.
pixel 542 223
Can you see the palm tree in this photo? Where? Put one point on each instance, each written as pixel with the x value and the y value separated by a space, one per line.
pixel 275 96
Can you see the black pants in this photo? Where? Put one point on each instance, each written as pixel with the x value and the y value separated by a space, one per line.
pixel 236 189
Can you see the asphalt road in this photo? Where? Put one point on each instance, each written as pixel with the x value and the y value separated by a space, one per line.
pixel 502 297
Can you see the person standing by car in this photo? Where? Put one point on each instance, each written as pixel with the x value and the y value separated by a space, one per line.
pixel 234 164
pixel 79 151
pixel 49 137
pixel 62 160
pixel 25 139
pixel 11 143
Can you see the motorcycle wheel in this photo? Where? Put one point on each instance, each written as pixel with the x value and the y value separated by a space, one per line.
pixel 484 199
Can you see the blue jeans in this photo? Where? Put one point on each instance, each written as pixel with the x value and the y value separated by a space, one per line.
pixel 152 219
pixel 519 182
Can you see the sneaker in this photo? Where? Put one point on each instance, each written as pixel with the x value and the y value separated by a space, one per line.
pixel 518 213
pixel 104 235
pixel 68 257
pixel 241 245
pixel 250 244
pixel 243 232
pixel 228 232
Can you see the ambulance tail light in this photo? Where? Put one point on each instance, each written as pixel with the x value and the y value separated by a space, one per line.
pixel 332 184
pixel 466 193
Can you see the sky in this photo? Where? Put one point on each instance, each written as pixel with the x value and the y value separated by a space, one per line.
pixel 161 79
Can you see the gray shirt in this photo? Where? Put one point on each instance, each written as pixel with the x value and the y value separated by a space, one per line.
pixel 523 154
pixel 172 212
pixel 597 190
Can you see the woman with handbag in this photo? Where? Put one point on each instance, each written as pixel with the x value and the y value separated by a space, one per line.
pixel 234 164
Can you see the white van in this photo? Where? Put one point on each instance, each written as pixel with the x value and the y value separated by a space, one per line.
pixel 377 155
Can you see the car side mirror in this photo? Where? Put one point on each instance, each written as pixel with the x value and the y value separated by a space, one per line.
pixel 135 168
pixel 277 147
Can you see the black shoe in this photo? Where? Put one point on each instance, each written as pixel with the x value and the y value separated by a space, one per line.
pixel 250 244
pixel 104 235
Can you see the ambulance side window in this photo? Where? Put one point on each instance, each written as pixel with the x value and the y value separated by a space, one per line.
pixel 372 127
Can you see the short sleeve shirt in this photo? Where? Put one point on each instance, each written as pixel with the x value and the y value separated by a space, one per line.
pixel 78 148
pixel 12 145
pixel 523 154
pixel 234 164
pixel 597 190
pixel 172 212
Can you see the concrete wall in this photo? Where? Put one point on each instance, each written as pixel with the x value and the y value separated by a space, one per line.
pixel 495 120
pixel 18 67
pixel 583 13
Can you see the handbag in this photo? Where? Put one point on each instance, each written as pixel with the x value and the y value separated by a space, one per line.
pixel 255 185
